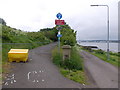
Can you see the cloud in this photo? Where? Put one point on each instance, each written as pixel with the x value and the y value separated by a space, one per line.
pixel 89 22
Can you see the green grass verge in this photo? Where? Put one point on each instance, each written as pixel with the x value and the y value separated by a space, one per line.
pixel 57 57
pixel 75 75
pixel 0 73
pixel 114 57
pixel 72 68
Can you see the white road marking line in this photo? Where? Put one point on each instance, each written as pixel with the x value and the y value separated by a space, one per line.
pixel 43 80
pixel 37 81
pixel 83 84
pixel 11 82
pixel 40 71
pixel 29 75
pixel 14 80
pixel 6 83
pixel 35 72
pixel 13 75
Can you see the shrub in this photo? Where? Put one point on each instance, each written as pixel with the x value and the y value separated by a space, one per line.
pixel 68 36
pixel 57 57
pixel 100 51
pixel 74 63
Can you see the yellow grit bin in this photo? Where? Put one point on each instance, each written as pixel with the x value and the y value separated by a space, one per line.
pixel 18 55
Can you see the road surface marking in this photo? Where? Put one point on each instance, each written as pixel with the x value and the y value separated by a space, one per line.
pixel 11 82
pixel 14 80
pixel 43 80
pixel 37 81
pixel 6 83
pixel 13 75
pixel 29 75
pixel 35 72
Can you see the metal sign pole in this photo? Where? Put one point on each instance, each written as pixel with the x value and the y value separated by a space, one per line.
pixel 59 45
pixel 59 22
pixel 59 35
pixel 59 41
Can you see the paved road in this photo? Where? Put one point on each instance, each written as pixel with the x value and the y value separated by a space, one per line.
pixel 102 74
pixel 39 72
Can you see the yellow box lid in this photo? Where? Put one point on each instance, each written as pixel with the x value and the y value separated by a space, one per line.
pixel 18 51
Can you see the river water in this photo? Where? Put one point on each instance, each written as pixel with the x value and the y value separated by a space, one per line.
pixel 112 46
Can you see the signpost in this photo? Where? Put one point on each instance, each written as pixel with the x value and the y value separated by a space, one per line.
pixel 59 28
pixel 59 35
pixel 59 15
pixel 59 22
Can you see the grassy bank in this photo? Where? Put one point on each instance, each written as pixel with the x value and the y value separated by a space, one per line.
pixel 16 39
pixel 29 40
pixel 71 68
pixel 114 57
pixel 0 73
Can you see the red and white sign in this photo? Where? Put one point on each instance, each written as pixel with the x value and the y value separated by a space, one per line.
pixel 59 22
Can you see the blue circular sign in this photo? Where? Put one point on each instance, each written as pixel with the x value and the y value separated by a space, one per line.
pixel 59 35
pixel 59 15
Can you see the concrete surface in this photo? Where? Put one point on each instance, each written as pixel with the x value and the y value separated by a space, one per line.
pixel 102 74
pixel 39 72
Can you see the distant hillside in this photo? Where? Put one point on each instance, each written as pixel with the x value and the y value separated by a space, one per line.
pixel 99 41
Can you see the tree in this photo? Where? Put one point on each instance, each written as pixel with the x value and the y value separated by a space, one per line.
pixel 68 36
pixel 50 33
pixel 2 21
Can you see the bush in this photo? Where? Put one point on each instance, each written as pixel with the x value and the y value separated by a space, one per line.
pixel 100 51
pixel 74 63
pixel 12 36
pixel 71 65
pixel 116 54
pixel 68 36
pixel 57 57
pixel 69 40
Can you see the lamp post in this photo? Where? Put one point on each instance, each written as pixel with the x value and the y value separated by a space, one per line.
pixel 108 56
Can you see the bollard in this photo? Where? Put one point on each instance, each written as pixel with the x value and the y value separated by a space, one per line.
pixel 66 51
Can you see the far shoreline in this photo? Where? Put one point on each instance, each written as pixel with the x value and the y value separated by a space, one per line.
pixel 101 45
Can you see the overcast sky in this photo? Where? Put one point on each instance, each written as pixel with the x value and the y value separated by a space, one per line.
pixel 89 22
